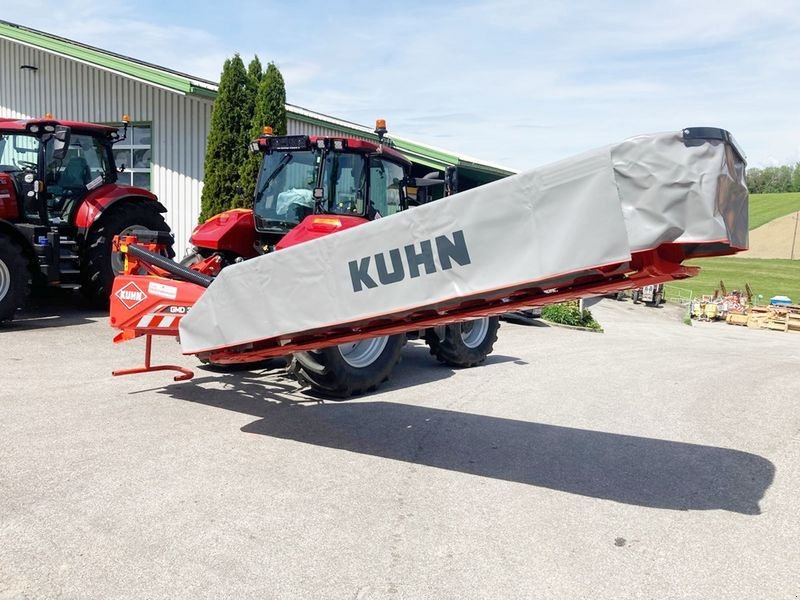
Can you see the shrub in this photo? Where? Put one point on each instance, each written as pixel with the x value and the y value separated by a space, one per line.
pixel 569 313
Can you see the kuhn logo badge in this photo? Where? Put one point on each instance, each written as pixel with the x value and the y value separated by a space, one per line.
pixel 130 295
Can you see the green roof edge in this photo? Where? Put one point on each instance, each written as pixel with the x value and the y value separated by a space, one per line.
pixel 112 63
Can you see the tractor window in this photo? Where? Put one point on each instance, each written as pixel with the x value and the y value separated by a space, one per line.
pixel 345 183
pixel 85 167
pixel 385 181
pixel 18 152
pixel 86 164
pixel 19 156
pixel 284 192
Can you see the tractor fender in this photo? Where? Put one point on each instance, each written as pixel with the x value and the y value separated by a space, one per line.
pixel 231 231
pixel 8 230
pixel 100 200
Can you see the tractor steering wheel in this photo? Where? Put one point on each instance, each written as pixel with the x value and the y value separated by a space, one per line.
pixel 26 164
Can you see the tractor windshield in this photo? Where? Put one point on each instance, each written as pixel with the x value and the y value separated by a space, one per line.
pixel 284 192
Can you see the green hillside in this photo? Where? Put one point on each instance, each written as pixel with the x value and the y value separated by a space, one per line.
pixel 767 277
pixel 766 207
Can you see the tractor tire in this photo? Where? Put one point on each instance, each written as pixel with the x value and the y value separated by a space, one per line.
pixel 99 265
pixel 14 284
pixel 348 369
pixel 463 345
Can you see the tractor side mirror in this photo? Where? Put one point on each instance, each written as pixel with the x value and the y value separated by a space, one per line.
pixel 61 142
pixel 450 180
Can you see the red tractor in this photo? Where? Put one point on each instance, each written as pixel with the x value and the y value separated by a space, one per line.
pixel 341 183
pixel 60 208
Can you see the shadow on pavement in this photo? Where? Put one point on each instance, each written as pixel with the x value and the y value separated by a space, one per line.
pixel 628 469
pixel 417 367
pixel 54 308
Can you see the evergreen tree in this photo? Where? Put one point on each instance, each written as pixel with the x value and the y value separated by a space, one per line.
pixel 254 74
pixel 248 169
pixel 226 148
pixel 270 110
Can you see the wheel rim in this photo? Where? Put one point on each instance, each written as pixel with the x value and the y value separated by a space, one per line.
pixel 363 353
pixel 474 332
pixel 5 279
pixel 117 258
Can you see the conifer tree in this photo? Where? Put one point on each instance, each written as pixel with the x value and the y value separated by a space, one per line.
pixel 248 169
pixel 226 149
pixel 270 110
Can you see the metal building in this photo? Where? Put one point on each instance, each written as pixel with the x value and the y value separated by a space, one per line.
pixel 170 114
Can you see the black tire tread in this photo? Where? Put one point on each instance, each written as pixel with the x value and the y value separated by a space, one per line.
pixel 326 373
pixel 14 258
pixel 452 351
pixel 97 277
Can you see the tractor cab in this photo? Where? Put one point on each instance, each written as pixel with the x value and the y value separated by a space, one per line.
pixel 304 175
pixel 51 166
pixel 60 207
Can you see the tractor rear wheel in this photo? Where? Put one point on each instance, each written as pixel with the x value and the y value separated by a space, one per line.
pixel 13 279
pixel 99 264
pixel 348 369
pixel 463 344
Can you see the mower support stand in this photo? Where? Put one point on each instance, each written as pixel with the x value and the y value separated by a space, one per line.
pixel 147 368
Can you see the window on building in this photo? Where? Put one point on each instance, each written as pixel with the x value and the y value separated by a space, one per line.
pixel 135 152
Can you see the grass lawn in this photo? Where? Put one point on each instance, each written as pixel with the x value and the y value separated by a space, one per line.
pixel 768 277
pixel 766 207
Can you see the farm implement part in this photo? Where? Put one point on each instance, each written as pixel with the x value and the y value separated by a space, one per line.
pixel 621 217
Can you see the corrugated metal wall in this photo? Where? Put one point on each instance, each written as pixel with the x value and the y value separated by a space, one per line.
pixel 294 127
pixel 75 91
pixel 72 90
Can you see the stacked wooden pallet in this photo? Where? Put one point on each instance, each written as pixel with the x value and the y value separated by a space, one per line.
pixel 777 318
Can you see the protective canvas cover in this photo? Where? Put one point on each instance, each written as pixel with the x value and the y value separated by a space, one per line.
pixel 584 212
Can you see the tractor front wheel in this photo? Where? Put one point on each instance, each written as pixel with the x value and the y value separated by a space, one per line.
pixel 13 279
pixel 100 264
pixel 463 344
pixel 348 369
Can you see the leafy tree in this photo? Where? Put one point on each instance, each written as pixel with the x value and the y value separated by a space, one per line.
pixel 226 148
pixel 796 178
pixel 774 180
pixel 270 110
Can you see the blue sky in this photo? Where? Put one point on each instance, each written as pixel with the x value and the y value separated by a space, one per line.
pixel 513 82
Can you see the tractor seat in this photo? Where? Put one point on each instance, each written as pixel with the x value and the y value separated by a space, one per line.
pixel 76 174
